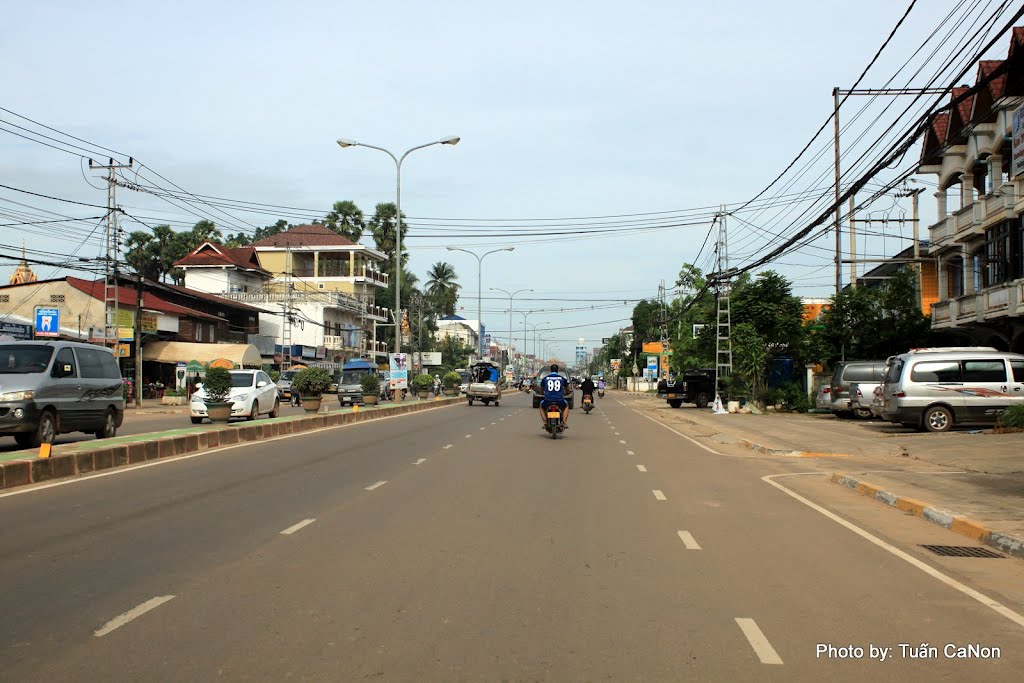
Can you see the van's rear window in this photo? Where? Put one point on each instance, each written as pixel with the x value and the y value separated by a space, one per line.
pixel 863 373
pixel 23 360
pixel 936 371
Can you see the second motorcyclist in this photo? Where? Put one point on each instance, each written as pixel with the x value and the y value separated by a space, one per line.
pixel 554 386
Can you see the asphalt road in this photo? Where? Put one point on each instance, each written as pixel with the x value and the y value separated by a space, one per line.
pixel 462 544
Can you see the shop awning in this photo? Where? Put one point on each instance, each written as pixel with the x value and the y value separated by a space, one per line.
pixel 182 352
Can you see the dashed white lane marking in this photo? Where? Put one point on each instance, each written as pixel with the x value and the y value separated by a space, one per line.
pixel 617 434
pixel 764 650
pixel 469 436
pixel 134 613
pixel 659 495
pixel 641 468
pixel 295 527
pixel 483 428
pixel 621 441
pixel 493 423
pixel 420 461
pixel 687 538
pixel 630 453
pixel 927 569
pixel 371 487
pixel 447 446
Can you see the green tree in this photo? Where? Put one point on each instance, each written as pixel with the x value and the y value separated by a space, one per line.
pixel 442 287
pixel 346 219
pixel 382 226
pixel 767 303
pixel 692 347
pixel 750 357
pixel 141 255
pixel 454 354
pixel 646 325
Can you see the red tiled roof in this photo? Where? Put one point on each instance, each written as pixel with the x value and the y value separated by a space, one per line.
pixel 964 107
pixel 209 254
pixel 997 84
pixel 940 124
pixel 126 297
pixel 206 296
pixel 305 236
pixel 1016 39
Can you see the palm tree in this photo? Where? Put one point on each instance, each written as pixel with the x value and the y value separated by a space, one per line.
pixel 442 287
pixel 346 219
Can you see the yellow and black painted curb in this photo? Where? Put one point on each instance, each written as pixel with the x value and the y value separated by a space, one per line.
pixel 965 526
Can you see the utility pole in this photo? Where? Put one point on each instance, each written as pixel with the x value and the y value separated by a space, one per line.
pixel 112 261
pixel 138 341
pixel 286 327
pixel 839 243
pixel 853 246
pixel 723 339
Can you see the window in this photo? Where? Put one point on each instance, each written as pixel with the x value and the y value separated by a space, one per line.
pixel 936 371
pixel 1018 250
pixel 199 332
pixel 895 370
pixel 5 298
pixel 213 333
pixel 997 254
pixel 863 373
pixel 954 278
pixel 984 370
pixel 22 360
pixel 97 364
pixel 64 364
pixel 56 298
pixel 1018 370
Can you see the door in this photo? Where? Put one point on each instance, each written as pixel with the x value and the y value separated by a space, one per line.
pixel 986 389
pixel 267 394
pixel 67 390
pixel 1016 387
pixel 935 381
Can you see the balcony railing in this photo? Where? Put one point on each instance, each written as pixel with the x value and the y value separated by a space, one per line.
pixel 944 230
pixel 964 218
pixel 968 305
pixel 942 311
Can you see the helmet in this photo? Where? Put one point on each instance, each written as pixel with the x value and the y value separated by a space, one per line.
pixel 554 367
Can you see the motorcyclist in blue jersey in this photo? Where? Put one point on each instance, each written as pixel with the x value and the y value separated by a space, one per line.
pixel 553 385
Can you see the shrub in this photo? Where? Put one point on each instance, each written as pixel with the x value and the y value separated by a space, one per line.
pixel 217 385
pixel 370 382
pixel 174 392
pixel 421 383
pixel 452 380
pixel 275 375
pixel 311 382
pixel 1013 416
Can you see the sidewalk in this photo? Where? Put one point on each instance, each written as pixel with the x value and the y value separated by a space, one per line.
pixel 969 481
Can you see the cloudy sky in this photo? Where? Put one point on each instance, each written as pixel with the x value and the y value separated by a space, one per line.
pixel 570 114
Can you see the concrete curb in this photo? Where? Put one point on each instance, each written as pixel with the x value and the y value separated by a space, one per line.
pixel 78 461
pixel 965 526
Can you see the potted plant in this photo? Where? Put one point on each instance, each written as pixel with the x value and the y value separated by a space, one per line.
pixel 421 385
pixel 217 385
pixel 310 384
pixel 370 383
pixel 451 382
pixel 173 397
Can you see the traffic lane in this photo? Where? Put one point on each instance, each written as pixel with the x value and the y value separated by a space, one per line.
pixel 75 552
pixel 805 579
pixel 143 422
pixel 525 559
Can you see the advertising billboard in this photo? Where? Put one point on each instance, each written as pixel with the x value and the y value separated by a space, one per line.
pixel 398 364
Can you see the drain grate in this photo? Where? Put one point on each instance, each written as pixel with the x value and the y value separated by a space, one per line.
pixel 961 551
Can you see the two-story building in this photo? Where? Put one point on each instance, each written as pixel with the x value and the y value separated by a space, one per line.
pixel 978 240
pixel 317 290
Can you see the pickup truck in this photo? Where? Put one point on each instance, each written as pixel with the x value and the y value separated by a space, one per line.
pixel 695 386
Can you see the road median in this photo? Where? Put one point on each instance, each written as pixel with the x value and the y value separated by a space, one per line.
pixel 85 457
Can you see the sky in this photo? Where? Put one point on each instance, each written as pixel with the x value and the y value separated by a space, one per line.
pixel 657 112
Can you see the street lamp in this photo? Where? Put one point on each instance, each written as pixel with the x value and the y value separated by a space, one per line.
pixel 343 143
pixel 511 295
pixel 534 326
pixel 479 289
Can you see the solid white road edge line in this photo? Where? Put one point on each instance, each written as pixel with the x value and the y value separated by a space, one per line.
pixel 295 527
pixel 134 613
pixel 688 540
pixel 696 443
pixel 188 456
pixel 764 650
pixel 371 487
pixel 641 468
pixel 926 568
pixel 659 495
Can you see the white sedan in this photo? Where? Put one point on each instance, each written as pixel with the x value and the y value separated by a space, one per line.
pixel 252 393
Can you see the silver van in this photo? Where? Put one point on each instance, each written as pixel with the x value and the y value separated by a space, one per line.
pixel 937 388
pixel 52 387
pixel 864 372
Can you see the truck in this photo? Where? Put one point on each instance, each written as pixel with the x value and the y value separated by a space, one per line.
pixel 349 388
pixel 696 386
pixel 485 383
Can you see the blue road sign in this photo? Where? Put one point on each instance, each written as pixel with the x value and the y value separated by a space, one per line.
pixel 47 322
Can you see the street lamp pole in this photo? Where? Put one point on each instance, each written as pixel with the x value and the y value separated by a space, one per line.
pixel 450 140
pixel 511 295
pixel 479 291
pixel 534 326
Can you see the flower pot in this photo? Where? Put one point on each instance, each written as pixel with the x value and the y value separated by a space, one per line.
pixel 370 399
pixel 311 404
pixel 421 394
pixel 173 400
pixel 218 412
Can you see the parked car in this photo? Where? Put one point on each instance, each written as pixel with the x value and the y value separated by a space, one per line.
pixel 823 400
pixel 538 392
pixel 934 389
pixel 252 394
pixel 53 387
pixel 861 394
pixel 845 373
pixel 285 382
pixel 696 386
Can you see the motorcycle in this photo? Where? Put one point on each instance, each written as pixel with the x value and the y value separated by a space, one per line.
pixel 600 393
pixel 588 403
pixel 553 425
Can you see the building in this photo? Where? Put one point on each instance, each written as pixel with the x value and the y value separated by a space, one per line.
pixel 319 288
pixel 929 277
pixel 466 331
pixel 978 238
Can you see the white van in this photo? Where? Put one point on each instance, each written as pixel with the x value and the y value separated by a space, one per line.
pixel 936 388
pixel 51 387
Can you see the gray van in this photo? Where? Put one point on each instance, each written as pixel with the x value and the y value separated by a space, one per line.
pixel 936 388
pixel 846 373
pixel 52 387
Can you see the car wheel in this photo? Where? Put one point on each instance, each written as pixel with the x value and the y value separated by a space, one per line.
pixel 255 413
pixel 197 420
pixel 277 409
pixel 702 400
pixel 26 439
pixel 470 401
pixel 46 432
pixel 938 419
pixel 109 429
pixel 862 413
pixel 676 402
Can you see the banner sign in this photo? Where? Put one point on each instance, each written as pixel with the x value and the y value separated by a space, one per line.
pixel 16 331
pixel 398 364
pixel 1017 148
pixel 47 322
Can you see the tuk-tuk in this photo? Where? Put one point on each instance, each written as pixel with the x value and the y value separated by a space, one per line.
pixel 485 383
